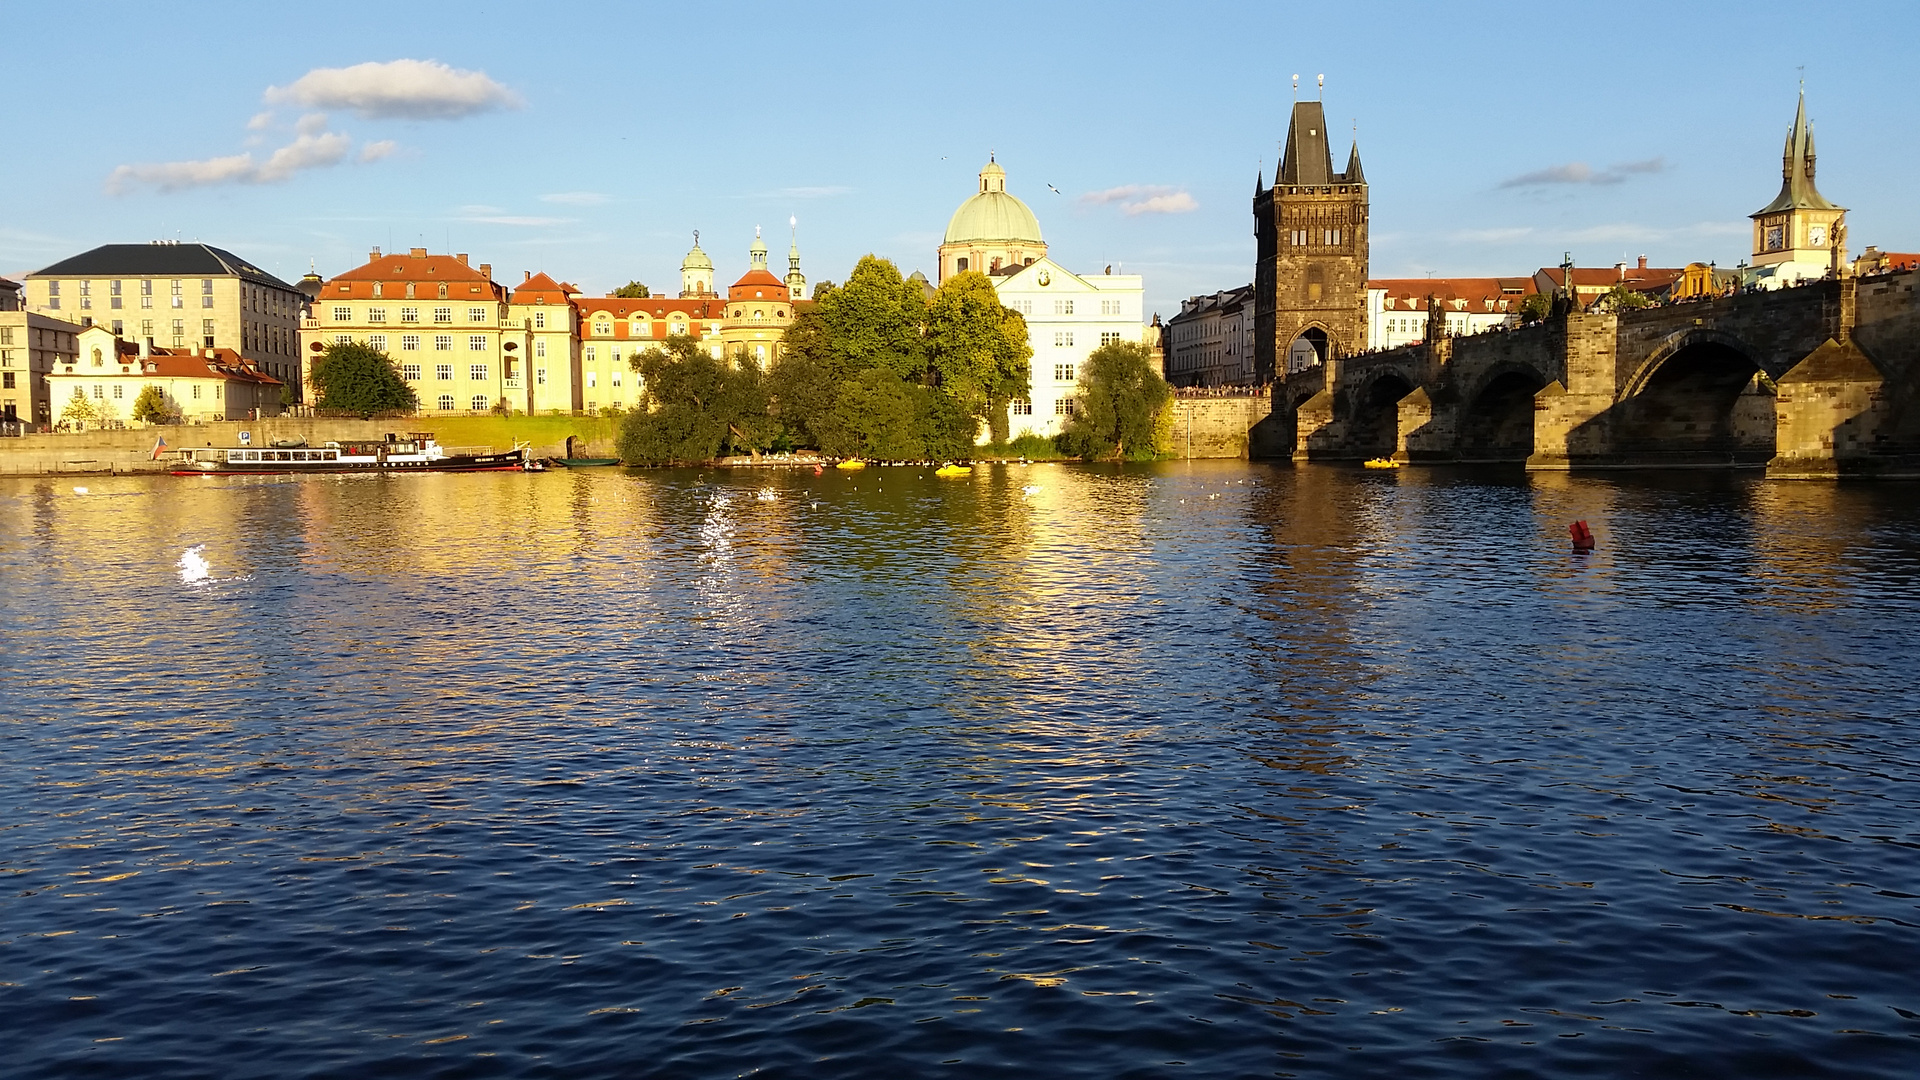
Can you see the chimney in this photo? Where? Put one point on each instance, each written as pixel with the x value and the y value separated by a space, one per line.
pixel 374 255
pixel 1620 270
pixel 486 271
pixel 462 256
pixel 1643 262
pixel 418 253
pixel 146 345
pixel 528 275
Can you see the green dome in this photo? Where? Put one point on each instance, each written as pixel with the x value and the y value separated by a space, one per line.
pixel 992 214
pixel 696 259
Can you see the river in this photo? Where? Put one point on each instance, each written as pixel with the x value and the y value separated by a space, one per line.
pixel 1210 769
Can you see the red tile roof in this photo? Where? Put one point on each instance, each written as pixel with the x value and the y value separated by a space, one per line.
pixel 186 364
pixel 1481 295
pixel 397 271
pixel 543 289
pixel 753 279
pixel 1602 278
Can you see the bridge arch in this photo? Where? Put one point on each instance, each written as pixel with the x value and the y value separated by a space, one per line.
pixel 1373 410
pixel 1702 397
pixel 1496 417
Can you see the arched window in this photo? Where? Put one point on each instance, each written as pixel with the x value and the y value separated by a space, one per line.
pixel 960 264
pixel 443 290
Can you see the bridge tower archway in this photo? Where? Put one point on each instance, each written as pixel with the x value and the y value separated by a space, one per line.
pixel 1497 422
pixel 1702 398
pixel 1309 349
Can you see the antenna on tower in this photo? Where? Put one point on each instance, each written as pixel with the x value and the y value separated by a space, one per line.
pixel 1323 87
pixel 1296 86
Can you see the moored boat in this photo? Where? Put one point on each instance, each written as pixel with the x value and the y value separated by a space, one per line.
pixel 951 470
pixel 853 464
pixel 587 462
pixel 413 452
pixel 1382 463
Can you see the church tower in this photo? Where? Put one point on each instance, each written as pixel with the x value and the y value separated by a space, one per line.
pixel 796 281
pixel 1310 242
pixel 1798 225
pixel 696 273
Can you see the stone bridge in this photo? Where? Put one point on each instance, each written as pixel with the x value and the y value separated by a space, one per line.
pixel 1817 381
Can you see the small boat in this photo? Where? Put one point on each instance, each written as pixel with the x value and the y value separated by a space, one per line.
pixel 587 462
pixel 414 452
pixel 951 469
pixel 851 465
pixel 1383 463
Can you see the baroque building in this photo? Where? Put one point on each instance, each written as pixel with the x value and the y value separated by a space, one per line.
pixel 992 232
pixel 1310 238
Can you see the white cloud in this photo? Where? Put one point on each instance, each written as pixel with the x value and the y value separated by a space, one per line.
pixel 313 148
pixel 577 198
pixel 260 121
pixel 494 215
pixel 1136 199
pixel 407 89
pixel 374 151
pixel 1579 172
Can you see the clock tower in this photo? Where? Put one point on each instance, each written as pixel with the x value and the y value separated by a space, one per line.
pixel 1798 226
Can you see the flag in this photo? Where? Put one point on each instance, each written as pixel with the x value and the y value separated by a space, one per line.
pixel 159 444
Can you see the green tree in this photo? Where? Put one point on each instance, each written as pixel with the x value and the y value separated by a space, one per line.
pixel 876 319
pixel 1118 400
pixel 152 406
pixel 1535 307
pixel 632 290
pixel 694 408
pixel 79 410
pixel 803 383
pixel 822 288
pixel 876 415
pixel 1620 298
pixel 360 380
pixel 978 349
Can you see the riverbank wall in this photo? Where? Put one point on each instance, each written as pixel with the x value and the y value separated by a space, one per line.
pixel 1225 427
pixel 130 450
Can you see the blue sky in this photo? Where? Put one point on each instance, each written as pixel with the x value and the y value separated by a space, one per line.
pixel 590 140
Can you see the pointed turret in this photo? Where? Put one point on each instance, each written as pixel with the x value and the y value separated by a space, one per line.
pixel 1797 191
pixel 796 281
pixel 1259 180
pixel 757 254
pixel 1353 175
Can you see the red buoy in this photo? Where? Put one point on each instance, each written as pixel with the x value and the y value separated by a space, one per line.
pixel 1582 537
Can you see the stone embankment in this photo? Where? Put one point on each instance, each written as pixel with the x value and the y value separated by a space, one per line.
pixel 131 450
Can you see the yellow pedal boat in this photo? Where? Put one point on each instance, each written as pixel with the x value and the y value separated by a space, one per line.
pixel 1383 463
pixel 851 465
pixel 954 470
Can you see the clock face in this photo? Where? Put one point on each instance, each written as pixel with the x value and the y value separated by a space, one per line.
pixel 1776 238
pixel 1816 235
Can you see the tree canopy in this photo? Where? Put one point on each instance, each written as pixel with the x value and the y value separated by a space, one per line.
pixel 360 379
pixel 632 290
pixel 152 406
pixel 1117 404
pixel 694 407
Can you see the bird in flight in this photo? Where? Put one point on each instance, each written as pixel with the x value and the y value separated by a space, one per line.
pixel 1053 189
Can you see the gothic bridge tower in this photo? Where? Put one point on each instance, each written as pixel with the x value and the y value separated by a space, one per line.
pixel 1310 233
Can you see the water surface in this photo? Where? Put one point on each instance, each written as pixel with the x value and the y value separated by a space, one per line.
pixel 1210 770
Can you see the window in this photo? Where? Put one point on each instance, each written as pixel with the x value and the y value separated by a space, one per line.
pixel 603 329
pixel 590 381
pixel 1108 337
pixel 116 391
pixel 1063 407
pixel 179 333
pixel 1024 307
pixel 409 342
pixel 377 341
pixel 540 376
pixel 446 402
pixel 6 381
pixel 443 290
pixel 1063 307
pixel 1062 338
pixel 479 403
pixel 960 263
pixel 1021 407
pixel 616 377
pixel 476 343
pixel 206 286
pixel 340 339
pixel 540 347
pixel 539 320
pixel 342 314
pixel 443 343
pixel 1109 307
pixel 410 314
pixel 410 372
pixel 444 373
pixel 177 300
pixel 477 314
pixel 1063 373
pixel 443 314
pixel 589 354
pixel 146 328
pixel 477 372
pixel 376 314
pixel 196 391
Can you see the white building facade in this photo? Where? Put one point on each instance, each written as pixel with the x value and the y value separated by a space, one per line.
pixel 1068 316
